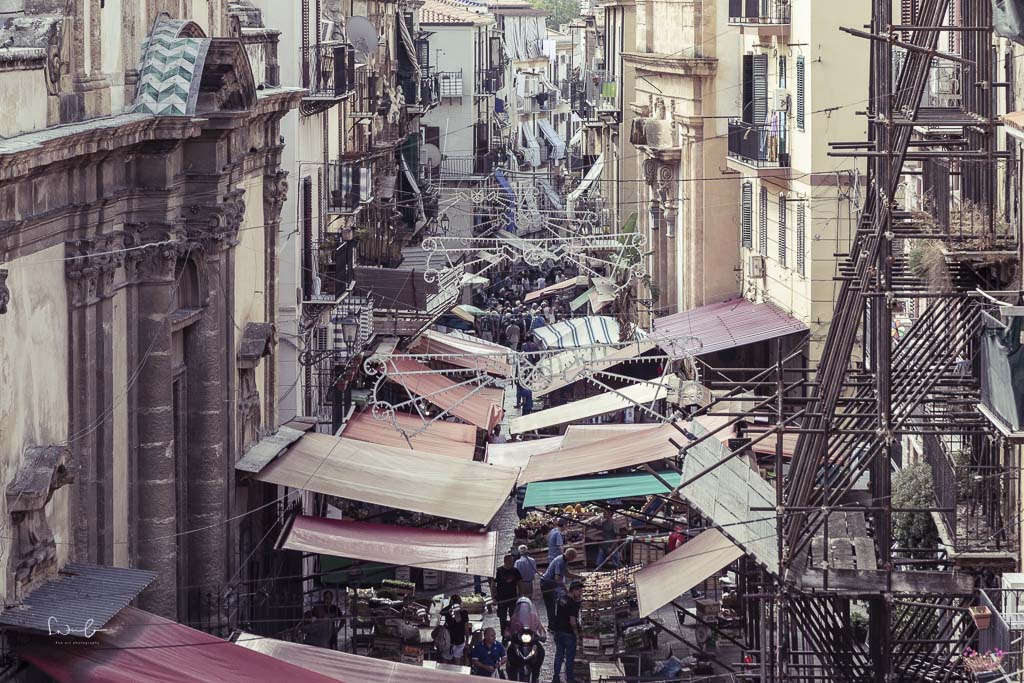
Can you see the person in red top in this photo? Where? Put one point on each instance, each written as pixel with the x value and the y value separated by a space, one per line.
pixel 676 538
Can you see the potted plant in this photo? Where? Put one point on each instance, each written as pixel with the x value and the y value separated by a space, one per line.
pixel 981 615
pixel 978 662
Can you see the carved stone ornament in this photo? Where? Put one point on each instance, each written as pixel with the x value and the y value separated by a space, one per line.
pixel 275 191
pixel 153 251
pixel 91 264
pixel 56 62
pixel 43 470
pixel 5 292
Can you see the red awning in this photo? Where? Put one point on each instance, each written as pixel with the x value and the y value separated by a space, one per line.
pixel 463 552
pixel 721 326
pixel 443 438
pixel 138 646
pixel 466 402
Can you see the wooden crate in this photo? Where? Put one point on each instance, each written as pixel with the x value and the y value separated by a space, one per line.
pixel 647 549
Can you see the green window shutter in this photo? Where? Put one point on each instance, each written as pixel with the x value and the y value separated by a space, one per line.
pixel 746 217
pixel 801 94
pixel 782 229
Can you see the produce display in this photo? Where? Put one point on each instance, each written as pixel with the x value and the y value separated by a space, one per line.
pixel 609 605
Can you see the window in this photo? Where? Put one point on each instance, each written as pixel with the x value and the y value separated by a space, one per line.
pixel 755 89
pixel 801 103
pixel 782 72
pixel 762 226
pixel 801 247
pixel 432 136
pixel 746 219
pixel 782 229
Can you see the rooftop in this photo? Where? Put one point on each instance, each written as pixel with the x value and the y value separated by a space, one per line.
pixel 449 12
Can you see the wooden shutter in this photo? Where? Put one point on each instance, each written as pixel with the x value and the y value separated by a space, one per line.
pixel 307 236
pixel 782 229
pixel 746 219
pixel 762 225
pixel 760 85
pixel 801 102
pixel 782 72
pixel 748 89
pixel 801 238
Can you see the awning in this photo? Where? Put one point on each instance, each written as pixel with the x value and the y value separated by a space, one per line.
pixel 80 593
pixel 591 489
pixel 665 579
pixel 464 353
pixel 463 552
pixel 567 334
pixel 588 180
pixel 343 666
pixel 443 438
pixel 407 42
pixel 577 137
pixel 463 314
pixel 554 199
pixel 608 402
pixel 510 195
pixel 402 479
pixel 624 450
pixel 579 435
pixel 553 138
pixel 601 294
pixel 410 179
pixel 722 326
pixel 466 402
pixel 518 453
pixel 1013 123
pixel 568 367
pixel 579 301
pixel 538 294
pixel 138 646
pixel 530 146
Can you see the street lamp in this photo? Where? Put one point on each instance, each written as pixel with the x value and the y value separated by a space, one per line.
pixel 349 331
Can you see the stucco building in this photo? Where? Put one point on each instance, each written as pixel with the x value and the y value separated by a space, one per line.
pixel 141 190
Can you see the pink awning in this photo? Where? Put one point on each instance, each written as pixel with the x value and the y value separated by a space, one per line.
pixel 342 666
pixel 463 552
pixel 721 326
pixel 138 646
pixel 466 402
pixel 443 438
pixel 465 353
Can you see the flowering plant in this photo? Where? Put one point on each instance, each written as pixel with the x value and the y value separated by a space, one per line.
pixel 980 662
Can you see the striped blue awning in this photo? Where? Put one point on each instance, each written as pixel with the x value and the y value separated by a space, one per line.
pixel 587 331
pixel 510 193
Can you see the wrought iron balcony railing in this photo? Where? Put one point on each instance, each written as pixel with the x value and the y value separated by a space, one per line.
pixel 762 146
pixel 328 70
pixel 489 81
pixel 349 185
pixel 326 270
pixel 764 12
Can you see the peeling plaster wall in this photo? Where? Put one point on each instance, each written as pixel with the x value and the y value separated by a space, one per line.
pixel 33 382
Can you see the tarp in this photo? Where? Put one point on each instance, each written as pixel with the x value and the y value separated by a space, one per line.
pixel 464 352
pixel 588 180
pixel 555 288
pixel 442 438
pixel 463 552
pixel 567 334
pixel 623 450
pixel 720 326
pixel 408 43
pixel 608 402
pixel 530 146
pixel 665 579
pixel 579 435
pixel 567 368
pixel 343 666
pixel 553 138
pixel 518 453
pixel 590 489
pixel 138 646
pixel 463 401
pixel 407 480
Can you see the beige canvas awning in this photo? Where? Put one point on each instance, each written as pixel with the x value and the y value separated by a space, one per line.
pixel 608 402
pixel 624 450
pixel 581 435
pixel 664 580
pixel 538 294
pixel 443 438
pixel 518 453
pixel 462 552
pixel 465 353
pixel 475 405
pixel 345 667
pixel 407 480
pixel 568 367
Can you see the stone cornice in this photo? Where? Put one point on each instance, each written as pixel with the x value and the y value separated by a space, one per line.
pixel 656 62
pixel 22 59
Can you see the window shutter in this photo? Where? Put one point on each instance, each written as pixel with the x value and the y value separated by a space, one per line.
pixel 307 236
pixel 748 89
pixel 746 219
pixel 762 226
pixel 801 238
pixel 782 229
pixel 782 72
pixel 801 104
pixel 760 89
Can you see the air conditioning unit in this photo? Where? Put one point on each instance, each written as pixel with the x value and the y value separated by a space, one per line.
pixel 757 265
pixel 780 99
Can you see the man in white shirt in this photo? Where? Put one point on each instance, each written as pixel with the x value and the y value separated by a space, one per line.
pixel 527 567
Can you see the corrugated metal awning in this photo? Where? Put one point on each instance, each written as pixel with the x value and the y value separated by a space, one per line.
pixel 720 326
pixel 665 579
pixel 80 593
pixel 462 552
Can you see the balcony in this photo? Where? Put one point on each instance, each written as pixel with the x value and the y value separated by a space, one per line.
pixel 489 81
pixel 350 186
pixel 328 71
pixel 451 85
pixel 326 270
pixel 760 147
pixel 465 168
pixel 763 17
pixel 366 99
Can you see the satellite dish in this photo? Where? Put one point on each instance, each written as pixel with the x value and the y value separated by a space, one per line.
pixel 431 155
pixel 363 36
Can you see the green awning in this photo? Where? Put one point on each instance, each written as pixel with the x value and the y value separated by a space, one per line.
pixel 590 489
pixel 580 300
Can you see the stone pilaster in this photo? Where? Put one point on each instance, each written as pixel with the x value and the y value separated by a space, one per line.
pixel 275 191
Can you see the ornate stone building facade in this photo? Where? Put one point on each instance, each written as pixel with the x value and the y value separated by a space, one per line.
pixel 141 191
